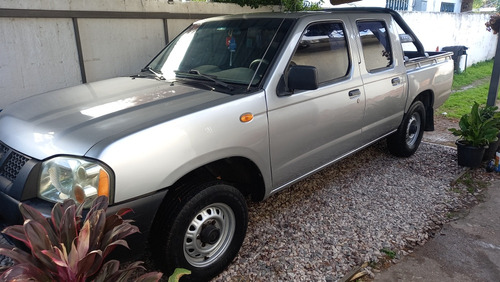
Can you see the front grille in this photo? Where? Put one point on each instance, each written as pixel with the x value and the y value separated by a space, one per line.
pixel 3 150
pixel 11 162
pixel 10 169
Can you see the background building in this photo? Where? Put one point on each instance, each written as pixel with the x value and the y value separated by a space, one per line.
pixel 447 6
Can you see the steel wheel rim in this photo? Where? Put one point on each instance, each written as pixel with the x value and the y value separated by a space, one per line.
pixel 413 129
pixel 216 218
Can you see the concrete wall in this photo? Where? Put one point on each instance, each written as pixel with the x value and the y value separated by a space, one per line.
pixel 38 39
pixel 84 41
pixel 114 47
pixel 36 55
pixel 437 30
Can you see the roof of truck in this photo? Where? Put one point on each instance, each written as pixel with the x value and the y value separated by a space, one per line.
pixel 301 14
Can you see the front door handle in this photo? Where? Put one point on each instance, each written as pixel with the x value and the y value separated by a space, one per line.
pixel 354 93
pixel 395 81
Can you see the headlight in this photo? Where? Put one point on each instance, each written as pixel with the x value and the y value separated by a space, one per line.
pixel 79 179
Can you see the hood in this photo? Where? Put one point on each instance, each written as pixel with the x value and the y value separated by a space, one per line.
pixel 72 120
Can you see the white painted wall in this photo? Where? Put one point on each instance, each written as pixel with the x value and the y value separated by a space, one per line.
pixel 432 5
pixel 447 29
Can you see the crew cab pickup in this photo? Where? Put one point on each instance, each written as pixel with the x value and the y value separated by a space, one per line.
pixel 235 106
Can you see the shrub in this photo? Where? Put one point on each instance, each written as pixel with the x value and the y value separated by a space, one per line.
pixel 477 128
pixel 63 249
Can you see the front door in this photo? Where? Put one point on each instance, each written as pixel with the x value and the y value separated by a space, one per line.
pixel 310 129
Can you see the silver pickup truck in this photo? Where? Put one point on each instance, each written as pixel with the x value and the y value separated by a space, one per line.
pixel 234 107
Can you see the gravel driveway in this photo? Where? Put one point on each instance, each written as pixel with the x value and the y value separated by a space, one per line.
pixel 335 220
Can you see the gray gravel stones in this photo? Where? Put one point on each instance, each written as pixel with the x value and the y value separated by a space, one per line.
pixel 322 227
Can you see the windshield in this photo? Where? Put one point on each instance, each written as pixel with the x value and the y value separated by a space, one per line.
pixel 229 51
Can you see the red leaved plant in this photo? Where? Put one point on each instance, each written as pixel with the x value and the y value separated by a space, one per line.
pixel 62 249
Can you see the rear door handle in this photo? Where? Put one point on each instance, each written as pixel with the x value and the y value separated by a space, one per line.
pixel 395 81
pixel 354 93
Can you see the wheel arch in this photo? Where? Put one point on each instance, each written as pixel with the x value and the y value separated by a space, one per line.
pixel 427 98
pixel 240 172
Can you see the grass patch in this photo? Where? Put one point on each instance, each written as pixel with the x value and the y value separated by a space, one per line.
pixel 470 182
pixel 473 73
pixel 389 253
pixel 460 102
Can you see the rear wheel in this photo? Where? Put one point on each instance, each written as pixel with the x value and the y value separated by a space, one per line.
pixel 405 141
pixel 200 228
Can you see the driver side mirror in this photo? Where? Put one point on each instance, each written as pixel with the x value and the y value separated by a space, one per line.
pixel 302 78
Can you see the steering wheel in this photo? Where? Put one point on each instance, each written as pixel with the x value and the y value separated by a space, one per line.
pixel 255 63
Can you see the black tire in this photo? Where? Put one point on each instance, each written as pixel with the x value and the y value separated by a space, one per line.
pixel 201 229
pixel 405 141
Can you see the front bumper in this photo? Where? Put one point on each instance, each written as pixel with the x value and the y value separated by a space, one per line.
pixel 144 209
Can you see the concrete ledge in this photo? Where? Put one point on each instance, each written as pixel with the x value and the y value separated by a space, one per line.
pixel 134 6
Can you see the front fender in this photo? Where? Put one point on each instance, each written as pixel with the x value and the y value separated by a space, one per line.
pixel 152 159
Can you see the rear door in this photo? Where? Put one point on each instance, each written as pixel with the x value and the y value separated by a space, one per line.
pixel 309 129
pixel 383 74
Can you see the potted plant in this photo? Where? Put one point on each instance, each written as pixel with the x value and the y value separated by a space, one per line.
pixel 486 113
pixel 475 133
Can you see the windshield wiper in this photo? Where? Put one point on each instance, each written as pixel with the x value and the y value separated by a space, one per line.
pixel 219 82
pixel 158 75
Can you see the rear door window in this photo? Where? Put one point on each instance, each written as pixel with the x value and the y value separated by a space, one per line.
pixel 376 45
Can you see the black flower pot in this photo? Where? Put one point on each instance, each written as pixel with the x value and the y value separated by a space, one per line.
pixel 489 153
pixel 469 156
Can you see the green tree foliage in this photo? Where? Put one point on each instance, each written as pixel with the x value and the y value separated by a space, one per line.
pixel 252 3
pixel 289 5
pixel 300 5
pixel 476 4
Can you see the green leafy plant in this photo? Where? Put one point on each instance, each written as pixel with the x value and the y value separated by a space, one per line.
pixel 178 273
pixel 476 128
pixel 63 249
pixel 490 112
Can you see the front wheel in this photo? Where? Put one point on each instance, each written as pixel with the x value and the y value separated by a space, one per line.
pixel 405 141
pixel 200 229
